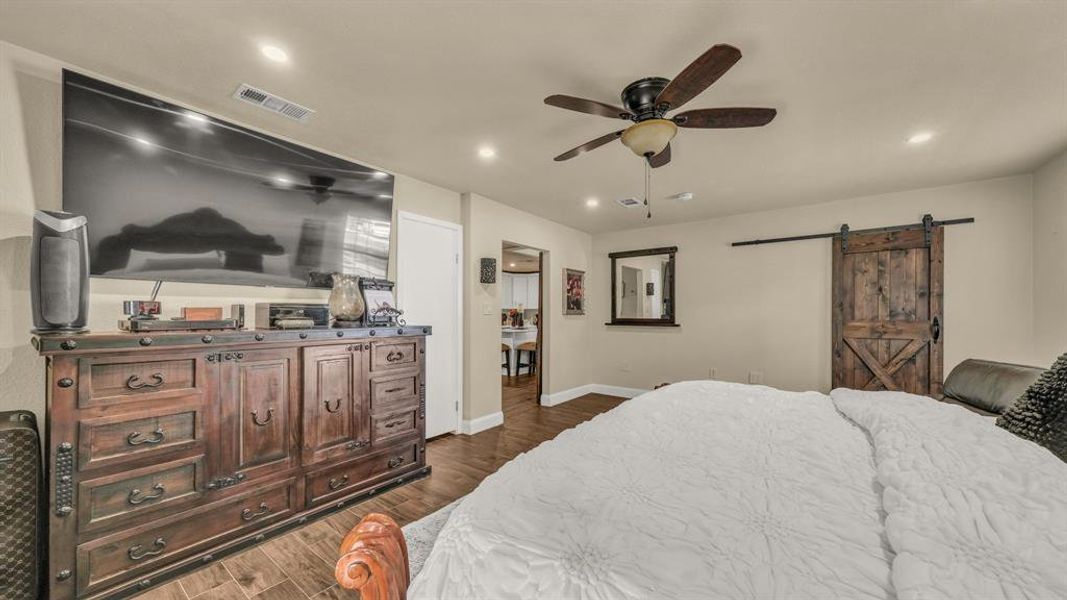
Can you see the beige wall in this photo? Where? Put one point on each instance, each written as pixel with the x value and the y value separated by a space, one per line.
pixel 767 308
pixel 1050 259
pixel 30 179
pixel 487 225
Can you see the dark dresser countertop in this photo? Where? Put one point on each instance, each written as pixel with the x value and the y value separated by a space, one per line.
pixel 68 343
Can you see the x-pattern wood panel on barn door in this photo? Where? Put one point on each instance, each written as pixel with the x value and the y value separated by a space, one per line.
pixel 887 321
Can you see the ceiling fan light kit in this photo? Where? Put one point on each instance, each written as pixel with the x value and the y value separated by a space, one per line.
pixel 649 138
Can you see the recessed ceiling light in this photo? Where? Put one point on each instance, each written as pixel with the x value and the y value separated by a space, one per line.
pixel 920 138
pixel 274 53
pixel 592 202
pixel 511 264
pixel 681 197
pixel 487 152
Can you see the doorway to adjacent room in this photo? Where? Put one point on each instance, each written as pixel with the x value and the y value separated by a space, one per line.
pixel 521 343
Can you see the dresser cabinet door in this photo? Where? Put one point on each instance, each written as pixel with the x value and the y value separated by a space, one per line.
pixel 336 416
pixel 259 403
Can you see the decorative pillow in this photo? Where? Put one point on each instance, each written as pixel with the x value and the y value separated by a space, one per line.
pixel 1040 414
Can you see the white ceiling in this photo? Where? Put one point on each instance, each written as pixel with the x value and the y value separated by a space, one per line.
pixel 416 87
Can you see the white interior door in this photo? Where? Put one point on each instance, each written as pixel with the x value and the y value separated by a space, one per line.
pixel 428 282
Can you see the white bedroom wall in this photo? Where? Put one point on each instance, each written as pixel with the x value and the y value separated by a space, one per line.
pixel 30 168
pixel 767 308
pixel 487 224
pixel 1050 259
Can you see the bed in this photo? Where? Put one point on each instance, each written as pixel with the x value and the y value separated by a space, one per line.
pixel 719 490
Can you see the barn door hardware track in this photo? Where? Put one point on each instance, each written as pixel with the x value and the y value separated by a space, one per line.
pixel 927 223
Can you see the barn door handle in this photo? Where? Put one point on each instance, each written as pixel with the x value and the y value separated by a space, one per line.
pixel 394 356
pixel 935 328
pixel 135 383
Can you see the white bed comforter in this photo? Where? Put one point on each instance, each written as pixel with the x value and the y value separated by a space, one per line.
pixel 718 490
pixel 973 510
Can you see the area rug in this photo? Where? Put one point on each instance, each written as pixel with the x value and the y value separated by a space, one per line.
pixel 422 534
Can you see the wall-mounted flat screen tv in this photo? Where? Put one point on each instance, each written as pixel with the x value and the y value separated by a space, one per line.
pixel 175 195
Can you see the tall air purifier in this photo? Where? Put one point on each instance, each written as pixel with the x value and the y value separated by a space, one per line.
pixel 59 272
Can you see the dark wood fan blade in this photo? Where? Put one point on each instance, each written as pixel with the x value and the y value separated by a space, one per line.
pixel 591 107
pixel 660 159
pixel 586 147
pixel 725 118
pixel 700 74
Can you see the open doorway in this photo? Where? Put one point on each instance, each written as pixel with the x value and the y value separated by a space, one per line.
pixel 521 345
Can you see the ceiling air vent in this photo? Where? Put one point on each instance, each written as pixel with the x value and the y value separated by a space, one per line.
pixel 629 202
pixel 276 104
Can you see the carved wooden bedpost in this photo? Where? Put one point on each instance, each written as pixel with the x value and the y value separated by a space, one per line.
pixel 374 560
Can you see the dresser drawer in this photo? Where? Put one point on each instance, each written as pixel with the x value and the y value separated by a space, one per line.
pixel 115 380
pixel 387 428
pixel 107 561
pixel 125 497
pixel 391 355
pixel 354 475
pixel 117 439
pixel 387 392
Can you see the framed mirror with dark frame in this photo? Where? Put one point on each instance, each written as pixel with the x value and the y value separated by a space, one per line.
pixel 642 287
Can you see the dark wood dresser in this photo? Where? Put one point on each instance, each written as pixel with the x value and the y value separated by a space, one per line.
pixel 167 451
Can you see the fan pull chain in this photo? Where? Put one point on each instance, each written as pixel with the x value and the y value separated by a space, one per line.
pixel 648 188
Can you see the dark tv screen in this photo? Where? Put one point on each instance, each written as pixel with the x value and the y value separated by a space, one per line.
pixel 175 195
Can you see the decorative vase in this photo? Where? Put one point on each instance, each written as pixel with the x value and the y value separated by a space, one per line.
pixel 346 301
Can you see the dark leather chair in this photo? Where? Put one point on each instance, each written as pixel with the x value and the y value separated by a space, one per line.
pixel 988 387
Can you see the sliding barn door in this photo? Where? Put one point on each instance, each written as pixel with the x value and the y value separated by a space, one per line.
pixel 887 322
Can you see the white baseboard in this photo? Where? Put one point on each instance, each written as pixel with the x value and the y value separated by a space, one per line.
pixel 481 423
pixel 590 388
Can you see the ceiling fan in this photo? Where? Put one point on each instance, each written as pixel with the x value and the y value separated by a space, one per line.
pixel 647 102
pixel 320 187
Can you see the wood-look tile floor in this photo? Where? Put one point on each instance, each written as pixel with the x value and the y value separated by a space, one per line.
pixel 299 564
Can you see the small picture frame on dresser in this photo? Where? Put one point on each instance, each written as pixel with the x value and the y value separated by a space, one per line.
pixel 379 301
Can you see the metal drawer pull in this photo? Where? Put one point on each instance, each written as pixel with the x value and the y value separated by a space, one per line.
pixel 396 389
pixel 135 383
pixel 338 483
pixel 392 424
pixel 336 405
pixel 396 461
pixel 248 515
pixel 136 498
pixel 135 439
pixel 255 417
pixel 135 552
pixel 394 356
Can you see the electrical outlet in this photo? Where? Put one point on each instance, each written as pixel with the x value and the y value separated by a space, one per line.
pixel 755 377
pixel 712 373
